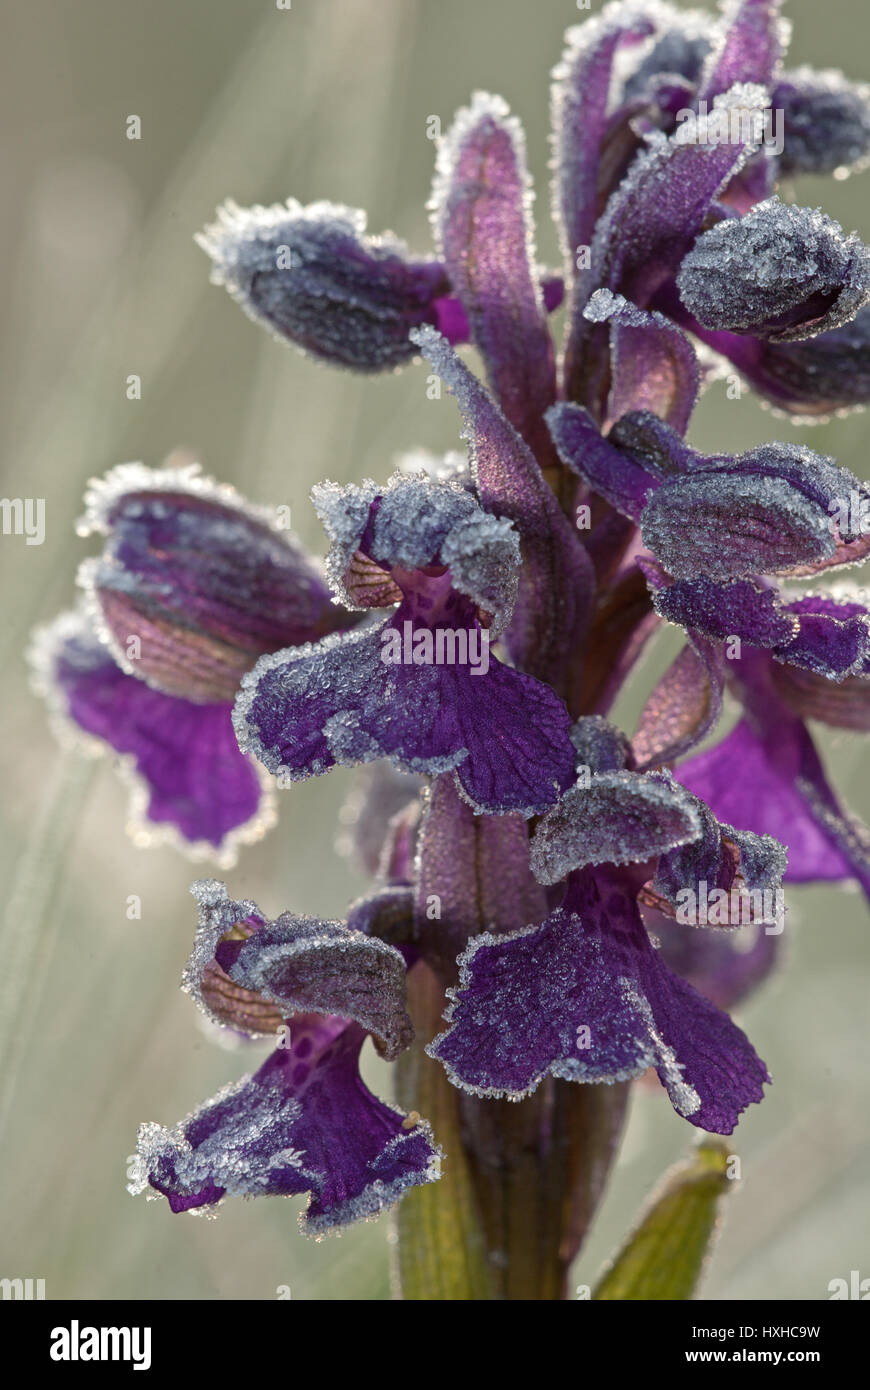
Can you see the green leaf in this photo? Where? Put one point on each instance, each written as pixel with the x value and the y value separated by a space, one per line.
pixel 665 1254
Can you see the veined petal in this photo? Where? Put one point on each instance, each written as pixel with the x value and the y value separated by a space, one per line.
pixel 781 272
pixel 305 1122
pixel 346 701
pixel 730 525
pixel 613 818
pixel 298 965
pixel 192 787
pixel 585 997
pixel 311 275
pixel 684 706
pixel 481 214
pixel 653 364
pixel 195 583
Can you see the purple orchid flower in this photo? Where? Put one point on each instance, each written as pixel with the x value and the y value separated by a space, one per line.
pixel 193 585
pixel 535 866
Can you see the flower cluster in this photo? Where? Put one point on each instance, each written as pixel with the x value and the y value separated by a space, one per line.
pixel 524 847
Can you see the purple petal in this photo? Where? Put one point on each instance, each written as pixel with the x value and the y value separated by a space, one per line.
pixel 653 363
pixel 749 48
pixel 781 272
pixel 813 378
pixel 740 608
pixel 731 525
pixel 505 734
pixel 305 1122
pixel 682 709
pixel 312 276
pixel 191 785
pixel 481 215
pixel 613 818
pixel 585 997
pixel 826 122
pixel 601 746
pixel 612 473
pixel 300 965
pixel 832 639
pixel 652 220
pixel 557 583
pixel 579 105
pixel 781 789
pixel 725 966
pixel 203 581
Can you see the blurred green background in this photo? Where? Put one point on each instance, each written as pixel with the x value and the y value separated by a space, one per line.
pixel 100 279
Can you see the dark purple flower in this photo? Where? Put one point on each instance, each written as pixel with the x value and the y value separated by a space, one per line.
pixel 421 688
pixel 193 585
pixel 305 1122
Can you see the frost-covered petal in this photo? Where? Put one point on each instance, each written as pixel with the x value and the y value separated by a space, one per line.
pixel 725 966
pixel 726 859
pixel 611 472
pixel 749 46
pixel 826 121
pixel 613 818
pixel 680 50
pixel 813 378
pixel 194 583
pixel 299 965
pixel 305 1122
pixel 585 997
pixel 827 682
pixel 653 218
pixel 313 276
pixel 505 734
pixel 766 776
pixel 579 110
pixel 683 707
pixel 557 581
pixel 781 272
pixel 380 536
pixel 652 361
pixel 739 608
pixel 729 525
pixel 832 639
pixel 600 745
pixel 191 785
pixel 481 215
